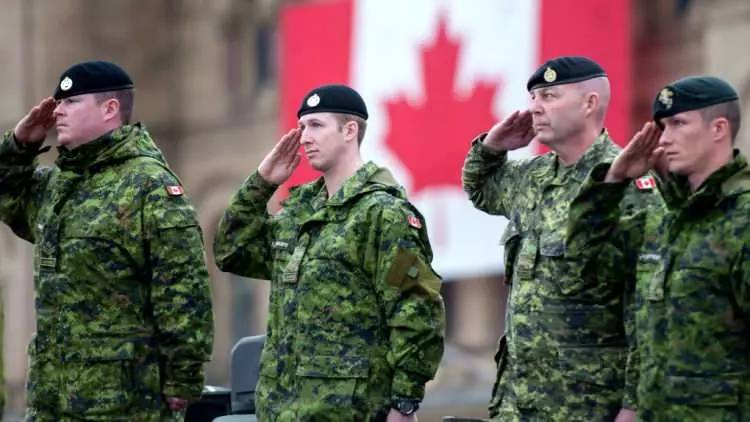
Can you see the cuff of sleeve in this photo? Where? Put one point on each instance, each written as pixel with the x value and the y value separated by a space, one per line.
pixel 257 182
pixel 184 381
pixel 183 391
pixel 405 386
pixel 628 402
pixel 486 153
pixel 23 153
pixel 605 191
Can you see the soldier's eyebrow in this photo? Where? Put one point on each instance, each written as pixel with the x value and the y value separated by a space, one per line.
pixel 313 120
pixel 544 90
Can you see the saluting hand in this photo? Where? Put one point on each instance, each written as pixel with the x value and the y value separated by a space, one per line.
pixel 280 163
pixel 515 131
pixel 639 156
pixel 33 127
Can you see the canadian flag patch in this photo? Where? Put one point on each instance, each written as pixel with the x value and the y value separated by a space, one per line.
pixel 414 221
pixel 175 190
pixel 645 183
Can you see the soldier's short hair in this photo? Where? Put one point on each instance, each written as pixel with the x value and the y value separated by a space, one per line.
pixel 342 118
pixel 729 110
pixel 126 99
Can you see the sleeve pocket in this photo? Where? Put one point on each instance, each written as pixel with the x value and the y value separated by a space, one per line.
pixel 409 272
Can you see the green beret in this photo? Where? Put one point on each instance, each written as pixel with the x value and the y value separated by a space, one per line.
pixel 333 99
pixel 90 77
pixel 564 70
pixel 692 93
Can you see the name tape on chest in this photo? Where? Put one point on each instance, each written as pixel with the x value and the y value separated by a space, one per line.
pixel 649 257
pixel 645 183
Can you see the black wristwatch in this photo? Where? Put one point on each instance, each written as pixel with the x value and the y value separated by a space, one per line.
pixel 406 407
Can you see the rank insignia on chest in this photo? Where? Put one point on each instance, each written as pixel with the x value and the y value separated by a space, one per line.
pixel 645 183
pixel 175 190
pixel 414 221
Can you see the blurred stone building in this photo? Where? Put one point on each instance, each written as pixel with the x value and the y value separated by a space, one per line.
pixel 206 87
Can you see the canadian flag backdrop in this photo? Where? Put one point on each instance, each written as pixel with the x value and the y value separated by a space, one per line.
pixel 435 74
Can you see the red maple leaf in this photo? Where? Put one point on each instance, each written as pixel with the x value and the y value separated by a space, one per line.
pixel 431 138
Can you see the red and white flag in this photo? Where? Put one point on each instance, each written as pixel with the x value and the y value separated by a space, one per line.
pixel 436 73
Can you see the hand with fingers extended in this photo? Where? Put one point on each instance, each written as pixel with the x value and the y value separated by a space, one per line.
pixel 515 131
pixel 638 157
pixel 280 163
pixel 33 127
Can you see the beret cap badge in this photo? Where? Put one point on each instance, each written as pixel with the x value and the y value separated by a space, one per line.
pixel 550 75
pixel 66 84
pixel 313 100
pixel 665 98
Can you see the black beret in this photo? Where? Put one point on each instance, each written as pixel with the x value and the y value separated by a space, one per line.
pixel 334 99
pixel 692 93
pixel 90 77
pixel 564 70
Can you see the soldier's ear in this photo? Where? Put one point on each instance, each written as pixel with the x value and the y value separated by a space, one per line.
pixel 591 103
pixel 720 128
pixel 350 130
pixel 111 108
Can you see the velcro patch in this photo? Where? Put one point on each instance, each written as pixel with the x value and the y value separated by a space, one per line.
pixel 645 183
pixel 175 190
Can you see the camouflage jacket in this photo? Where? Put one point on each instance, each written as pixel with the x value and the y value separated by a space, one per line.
pixel 356 317
pixel 122 298
pixel 691 260
pixel 563 356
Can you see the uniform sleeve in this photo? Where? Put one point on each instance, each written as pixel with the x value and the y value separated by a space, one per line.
pixel 741 281
pixel 242 245
pixel 180 293
pixel 22 182
pixel 410 294
pixel 605 226
pixel 490 179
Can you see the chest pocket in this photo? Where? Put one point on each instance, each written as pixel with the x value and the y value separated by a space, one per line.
pixel 552 245
pixel 568 273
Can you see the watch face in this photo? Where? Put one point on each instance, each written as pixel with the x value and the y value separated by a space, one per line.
pixel 406 407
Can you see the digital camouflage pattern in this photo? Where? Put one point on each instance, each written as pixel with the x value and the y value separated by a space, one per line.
pixel 563 355
pixel 356 317
pixel 122 298
pixel 689 254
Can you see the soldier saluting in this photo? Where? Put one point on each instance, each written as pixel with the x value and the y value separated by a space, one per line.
pixel 123 308
pixel 564 352
pixel 356 320
pixel 688 253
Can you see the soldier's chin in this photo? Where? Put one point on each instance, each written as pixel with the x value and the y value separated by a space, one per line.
pixel 63 140
pixel 317 166
pixel 676 168
pixel 545 138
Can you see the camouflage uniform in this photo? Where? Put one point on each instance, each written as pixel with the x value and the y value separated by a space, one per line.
pixel 563 355
pixel 122 299
pixel 356 317
pixel 692 265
